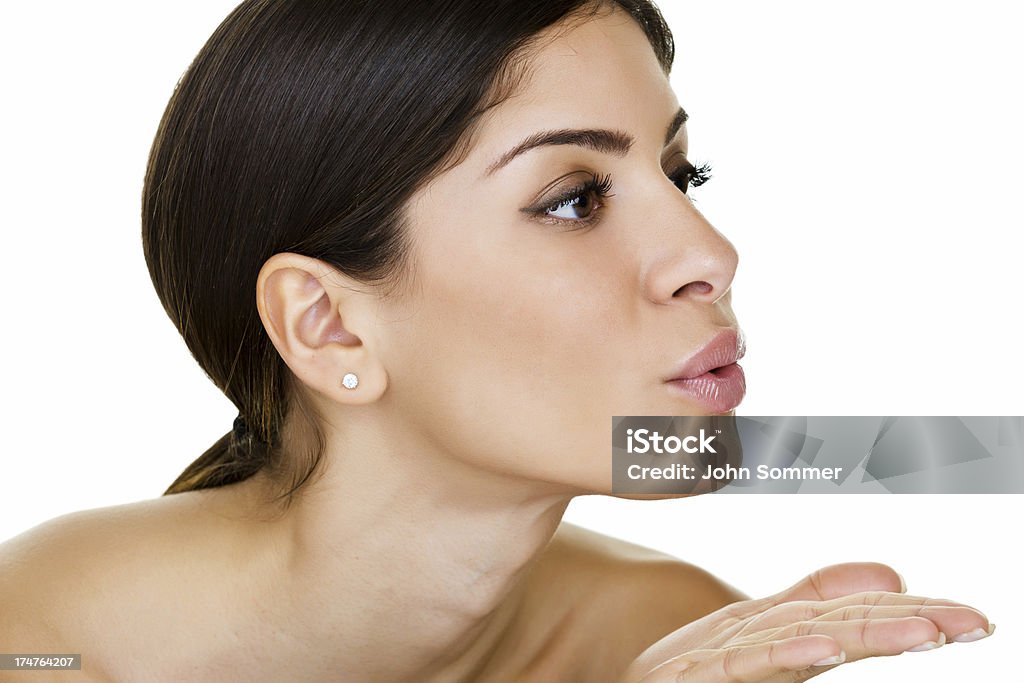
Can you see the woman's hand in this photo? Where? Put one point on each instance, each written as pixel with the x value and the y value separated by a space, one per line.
pixel 837 614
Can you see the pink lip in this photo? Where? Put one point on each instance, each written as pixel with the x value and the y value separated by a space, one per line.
pixel 711 376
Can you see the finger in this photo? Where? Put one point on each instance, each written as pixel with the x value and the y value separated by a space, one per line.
pixel 859 606
pixel 840 580
pixel 861 638
pixel 833 582
pixel 760 662
pixel 954 622
pixel 828 583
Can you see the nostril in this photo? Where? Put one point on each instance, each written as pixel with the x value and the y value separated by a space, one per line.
pixel 699 287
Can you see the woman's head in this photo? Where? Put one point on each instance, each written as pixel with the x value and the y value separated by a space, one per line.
pixel 335 187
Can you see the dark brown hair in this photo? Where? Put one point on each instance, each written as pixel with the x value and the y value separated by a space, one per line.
pixel 305 126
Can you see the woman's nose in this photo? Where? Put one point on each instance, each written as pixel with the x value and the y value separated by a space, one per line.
pixel 689 259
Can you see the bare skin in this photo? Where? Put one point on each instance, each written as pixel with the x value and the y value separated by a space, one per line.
pixel 431 548
pixel 152 577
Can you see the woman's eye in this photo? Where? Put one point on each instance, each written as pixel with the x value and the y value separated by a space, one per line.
pixel 579 203
pixel 574 208
pixel 689 176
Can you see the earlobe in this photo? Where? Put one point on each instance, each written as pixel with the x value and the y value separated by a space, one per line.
pixel 314 323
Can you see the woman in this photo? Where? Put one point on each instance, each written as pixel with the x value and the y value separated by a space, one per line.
pixel 428 252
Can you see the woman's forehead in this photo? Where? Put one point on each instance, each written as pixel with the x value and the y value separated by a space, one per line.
pixel 597 74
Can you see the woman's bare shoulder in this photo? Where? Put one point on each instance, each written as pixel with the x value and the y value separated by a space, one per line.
pixel 612 591
pixel 86 580
pixel 112 542
pixel 78 551
pixel 642 571
pixel 75 544
pixel 48 554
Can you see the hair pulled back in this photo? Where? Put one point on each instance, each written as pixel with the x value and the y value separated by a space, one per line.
pixel 305 126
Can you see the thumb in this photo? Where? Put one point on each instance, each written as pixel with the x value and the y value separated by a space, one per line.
pixel 828 583
pixel 838 580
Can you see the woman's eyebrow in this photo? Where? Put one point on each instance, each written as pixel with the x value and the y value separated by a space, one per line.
pixel 677 122
pixel 607 141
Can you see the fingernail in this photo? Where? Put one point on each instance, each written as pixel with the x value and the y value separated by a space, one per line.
pixel 931 644
pixel 829 661
pixel 976 634
pixel 903 583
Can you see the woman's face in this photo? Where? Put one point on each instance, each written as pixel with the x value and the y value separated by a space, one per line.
pixel 539 311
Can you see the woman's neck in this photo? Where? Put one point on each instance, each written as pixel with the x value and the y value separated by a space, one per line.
pixel 396 565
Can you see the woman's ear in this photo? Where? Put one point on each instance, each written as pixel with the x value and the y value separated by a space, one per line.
pixel 322 324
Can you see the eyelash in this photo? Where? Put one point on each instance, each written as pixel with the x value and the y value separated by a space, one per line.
pixel 600 186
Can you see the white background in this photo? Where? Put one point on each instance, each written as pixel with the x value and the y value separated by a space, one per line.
pixel 868 167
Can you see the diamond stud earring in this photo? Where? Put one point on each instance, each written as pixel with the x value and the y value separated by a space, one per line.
pixel 350 381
